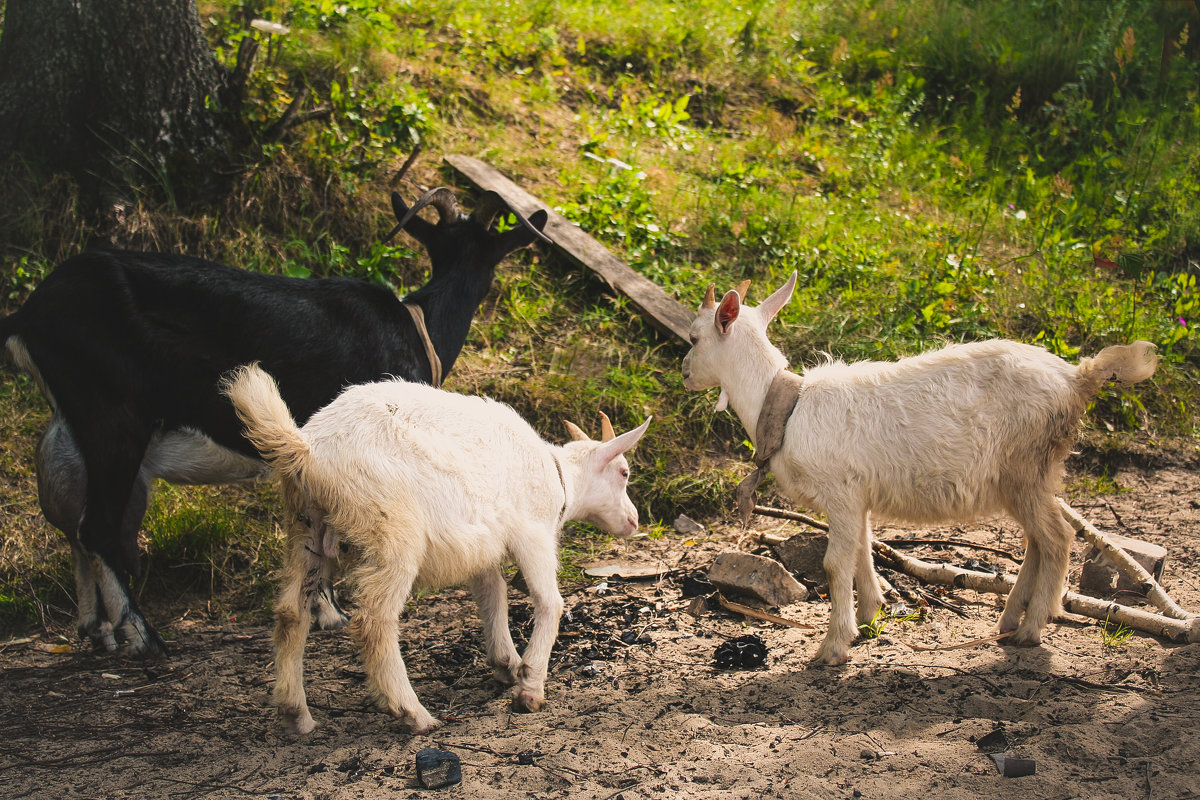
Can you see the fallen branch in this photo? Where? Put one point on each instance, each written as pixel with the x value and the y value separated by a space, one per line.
pixel 955 543
pixel 1146 583
pixel 292 116
pixel 794 516
pixel 747 611
pixel 1146 621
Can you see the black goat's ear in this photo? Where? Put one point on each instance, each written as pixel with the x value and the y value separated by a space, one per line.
pixel 490 206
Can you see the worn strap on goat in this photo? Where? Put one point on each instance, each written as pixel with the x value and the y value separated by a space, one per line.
pixel 435 363
pixel 562 511
pixel 768 438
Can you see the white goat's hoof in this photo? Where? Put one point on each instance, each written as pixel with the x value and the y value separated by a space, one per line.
pixel 528 700
pixel 831 656
pixel 298 724
pixel 423 725
pixel 1023 637
pixel 504 676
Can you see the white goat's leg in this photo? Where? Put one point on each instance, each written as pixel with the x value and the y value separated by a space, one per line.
pixel 1018 598
pixel 538 562
pixel 841 563
pixel 1050 538
pixel 870 596
pixel 307 520
pixel 491 594
pixel 375 626
pixel 291 632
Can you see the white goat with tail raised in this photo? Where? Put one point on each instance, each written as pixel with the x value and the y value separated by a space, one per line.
pixel 428 488
pixel 951 434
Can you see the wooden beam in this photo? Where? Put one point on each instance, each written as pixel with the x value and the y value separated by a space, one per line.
pixel 663 312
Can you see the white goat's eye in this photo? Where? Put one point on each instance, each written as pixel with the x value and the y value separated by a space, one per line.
pixel 694 339
pixel 624 473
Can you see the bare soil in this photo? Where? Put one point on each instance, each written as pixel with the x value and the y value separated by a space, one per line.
pixel 638 709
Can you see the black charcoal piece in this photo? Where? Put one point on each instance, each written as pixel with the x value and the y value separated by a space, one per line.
pixel 438 768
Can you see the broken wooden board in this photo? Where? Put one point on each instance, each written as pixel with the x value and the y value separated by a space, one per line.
pixel 663 312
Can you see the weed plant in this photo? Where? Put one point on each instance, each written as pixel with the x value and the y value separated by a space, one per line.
pixel 934 170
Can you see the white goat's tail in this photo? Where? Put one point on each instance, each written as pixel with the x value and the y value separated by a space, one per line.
pixel 1124 363
pixel 269 424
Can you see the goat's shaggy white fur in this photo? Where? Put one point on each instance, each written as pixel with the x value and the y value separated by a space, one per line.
pixel 952 434
pixel 428 488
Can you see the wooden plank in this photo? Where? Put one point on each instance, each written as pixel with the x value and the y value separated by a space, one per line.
pixel 663 312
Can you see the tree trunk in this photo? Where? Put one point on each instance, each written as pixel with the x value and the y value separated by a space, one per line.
pixel 107 89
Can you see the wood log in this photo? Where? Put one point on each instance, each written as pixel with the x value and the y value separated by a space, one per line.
pixel 660 310
pixel 1180 630
pixel 1146 584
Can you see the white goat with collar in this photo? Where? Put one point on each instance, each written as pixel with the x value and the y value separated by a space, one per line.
pixel 948 435
pixel 429 488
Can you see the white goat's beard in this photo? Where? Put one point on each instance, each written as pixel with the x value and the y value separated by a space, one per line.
pixel 722 401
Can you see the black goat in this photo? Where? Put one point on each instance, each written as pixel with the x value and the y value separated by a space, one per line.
pixel 128 348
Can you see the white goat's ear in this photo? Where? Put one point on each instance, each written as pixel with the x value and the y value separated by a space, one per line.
pixel 615 447
pixel 576 434
pixel 778 299
pixel 727 311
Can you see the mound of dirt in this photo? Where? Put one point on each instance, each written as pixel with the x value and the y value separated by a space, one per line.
pixel 638 707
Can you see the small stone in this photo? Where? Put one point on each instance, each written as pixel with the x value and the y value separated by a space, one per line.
pixel 755 576
pixel 1101 576
pixel 992 742
pixel 804 555
pixel 1011 767
pixel 438 768
pixel 688 526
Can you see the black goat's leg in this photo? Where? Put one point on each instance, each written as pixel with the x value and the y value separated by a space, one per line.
pixel 116 496
pixel 62 489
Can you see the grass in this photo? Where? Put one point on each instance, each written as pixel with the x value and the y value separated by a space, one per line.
pixel 880 622
pixel 935 171
pixel 1115 637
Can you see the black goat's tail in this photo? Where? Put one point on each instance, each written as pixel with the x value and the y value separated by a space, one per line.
pixel 269 423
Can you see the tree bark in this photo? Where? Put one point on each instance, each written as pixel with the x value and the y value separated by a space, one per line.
pixel 107 88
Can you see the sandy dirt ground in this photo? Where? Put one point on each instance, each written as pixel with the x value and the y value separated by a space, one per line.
pixel 637 707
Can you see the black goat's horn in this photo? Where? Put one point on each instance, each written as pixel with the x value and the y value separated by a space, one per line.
pixel 440 198
pixel 491 203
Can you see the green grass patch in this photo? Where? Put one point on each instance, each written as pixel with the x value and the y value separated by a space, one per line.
pixel 933 170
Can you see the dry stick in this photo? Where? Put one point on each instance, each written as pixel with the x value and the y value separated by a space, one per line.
pixel 795 516
pixel 747 611
pixel 1145 621
pixel 1187 629
pixel 1147 585
pixel 781 513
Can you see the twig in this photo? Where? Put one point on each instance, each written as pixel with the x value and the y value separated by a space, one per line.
pixel 959 646
pixel 1106 687
pixel 408 162
pixel 1147 585
pixel 747 611
pixel 795 516
pixel 293 117
pixel 782 513
pixel 1145 621
pixel 955 543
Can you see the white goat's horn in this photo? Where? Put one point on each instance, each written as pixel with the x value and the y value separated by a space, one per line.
pixel 573 429
pixel 710 297
pixel 742 288
pixel 606 429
